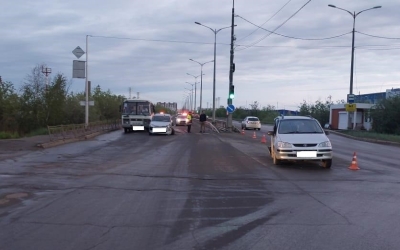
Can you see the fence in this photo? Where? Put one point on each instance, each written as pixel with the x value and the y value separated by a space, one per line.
pixel 71 131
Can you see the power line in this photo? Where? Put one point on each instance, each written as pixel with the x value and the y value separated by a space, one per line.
pixel 299 38
pixel 259 27
pixel 156 40
pixel 278 26
pixel 392 38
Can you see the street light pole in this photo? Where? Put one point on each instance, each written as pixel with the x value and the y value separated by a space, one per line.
pixel 191 92
pixel 195 88
pixel 354 15
pixel 201 82
pixel 215 31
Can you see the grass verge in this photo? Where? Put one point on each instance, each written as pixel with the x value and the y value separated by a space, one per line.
pixel 371 135
pixel 8 135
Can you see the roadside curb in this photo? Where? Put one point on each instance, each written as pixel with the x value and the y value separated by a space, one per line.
pixel 65 141
pixel 365 139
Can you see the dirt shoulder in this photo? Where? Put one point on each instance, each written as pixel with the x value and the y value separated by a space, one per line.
pixel 15 147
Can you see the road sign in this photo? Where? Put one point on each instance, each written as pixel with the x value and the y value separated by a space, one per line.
pixel 78 69
pixel 350 98
pixel 230 108
pixel 83 103
pixel 78 52
pixel 350 107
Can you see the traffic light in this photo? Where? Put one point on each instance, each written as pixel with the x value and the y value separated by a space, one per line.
pixel 231 92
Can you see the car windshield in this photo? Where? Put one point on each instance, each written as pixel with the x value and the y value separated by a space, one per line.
pixel 299 126
pixel 181 116
pixel 159 118
pixel 253 119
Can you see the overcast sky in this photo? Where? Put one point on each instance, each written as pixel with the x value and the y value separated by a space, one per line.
pixel 160 37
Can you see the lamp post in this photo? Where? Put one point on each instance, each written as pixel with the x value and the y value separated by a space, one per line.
pixel 192 84
pixel 215 31
pixel 201 82
pixel 195 88
pixel 190 95
pixel 354 15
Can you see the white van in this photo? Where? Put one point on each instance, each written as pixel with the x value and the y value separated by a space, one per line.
pixel 300 138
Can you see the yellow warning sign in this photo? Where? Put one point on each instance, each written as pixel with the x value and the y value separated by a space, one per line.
pixel 350 107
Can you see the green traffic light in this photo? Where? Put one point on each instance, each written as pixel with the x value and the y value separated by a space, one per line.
pixel 231 96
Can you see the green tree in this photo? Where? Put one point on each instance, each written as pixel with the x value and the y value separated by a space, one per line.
pixel 320 110
pixel 32 101
pixel 106 105
pixel 386 116
pixel 9 107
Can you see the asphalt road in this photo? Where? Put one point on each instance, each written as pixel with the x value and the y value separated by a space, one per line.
pixel 197 191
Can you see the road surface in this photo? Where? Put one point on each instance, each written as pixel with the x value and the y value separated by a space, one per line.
pixel 197 191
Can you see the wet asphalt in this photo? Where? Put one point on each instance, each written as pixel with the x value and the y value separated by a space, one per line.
pixel 197 191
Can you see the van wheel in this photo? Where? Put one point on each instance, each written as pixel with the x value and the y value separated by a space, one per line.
pixel 327 163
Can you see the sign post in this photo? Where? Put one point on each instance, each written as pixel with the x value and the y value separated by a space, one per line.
pixel 80 70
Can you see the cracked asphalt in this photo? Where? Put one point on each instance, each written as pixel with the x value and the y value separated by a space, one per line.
pixel 195 191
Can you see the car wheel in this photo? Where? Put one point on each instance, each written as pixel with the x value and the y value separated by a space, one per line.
pixel 150 133
pixel 327 163
pixel 275 160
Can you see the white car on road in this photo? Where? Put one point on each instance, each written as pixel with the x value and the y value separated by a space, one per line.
pixel 161 124
pixel 299 138
pixel 251 122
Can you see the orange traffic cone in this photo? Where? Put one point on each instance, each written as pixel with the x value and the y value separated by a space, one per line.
pixel 263 139
pixel 354 165
pixel 242 131
pixel 254 135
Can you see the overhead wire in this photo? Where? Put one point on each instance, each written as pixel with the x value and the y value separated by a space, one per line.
pixel 258 27
pixel 382 37
pixel 254 43
pixel 298 38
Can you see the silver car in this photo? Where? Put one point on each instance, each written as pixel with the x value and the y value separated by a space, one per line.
pixel 161 124
pixel 300 138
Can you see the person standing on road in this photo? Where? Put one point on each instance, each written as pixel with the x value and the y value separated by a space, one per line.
pixel 189 122
pixel 203 119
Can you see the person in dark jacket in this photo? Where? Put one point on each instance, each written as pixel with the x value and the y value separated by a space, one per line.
pixel 203 119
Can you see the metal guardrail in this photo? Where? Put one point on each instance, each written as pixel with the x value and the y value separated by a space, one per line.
pixel 71 131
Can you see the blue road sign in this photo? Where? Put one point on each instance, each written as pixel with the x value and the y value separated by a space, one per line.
pixel 230 108
pixel 350 98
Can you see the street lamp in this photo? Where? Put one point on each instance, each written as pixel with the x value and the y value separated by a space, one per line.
pixel 201 82
pixel 354 15
pixel 190 94
pixel 215 31
pixel 192 84
pixel 195 88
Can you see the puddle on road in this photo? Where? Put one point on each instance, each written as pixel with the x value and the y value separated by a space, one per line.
pixel 13 198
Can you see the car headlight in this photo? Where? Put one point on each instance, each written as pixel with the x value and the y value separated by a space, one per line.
pixel 326 144
pixel 284 144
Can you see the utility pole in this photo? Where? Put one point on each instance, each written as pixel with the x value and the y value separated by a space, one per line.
pixel 46 71
pixel 130 93
pixel 231 68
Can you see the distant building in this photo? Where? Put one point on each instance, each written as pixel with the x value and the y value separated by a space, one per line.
pixel 374 98
pixel 340 118
pixel 169 105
